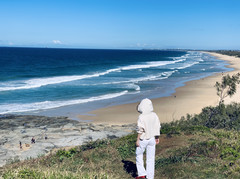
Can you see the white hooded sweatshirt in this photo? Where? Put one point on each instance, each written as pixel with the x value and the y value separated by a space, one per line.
pixel 148 121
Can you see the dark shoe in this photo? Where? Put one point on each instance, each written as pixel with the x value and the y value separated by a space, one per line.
pixel 140 177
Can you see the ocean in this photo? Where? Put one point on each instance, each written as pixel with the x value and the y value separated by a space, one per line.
pixel 47 81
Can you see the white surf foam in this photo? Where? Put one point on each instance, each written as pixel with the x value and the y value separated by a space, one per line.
pixel 187 65
pixel 133 86
pixel 14 108
pixel 39 82
pixel 183 57
pixel 150 64
pixel 160 76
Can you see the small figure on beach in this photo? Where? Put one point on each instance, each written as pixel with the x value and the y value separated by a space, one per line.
pixel 148 129
pixel 46 137
pixel 33 140
pixel 20 144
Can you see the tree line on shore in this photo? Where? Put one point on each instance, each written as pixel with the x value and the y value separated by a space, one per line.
pixel 235 53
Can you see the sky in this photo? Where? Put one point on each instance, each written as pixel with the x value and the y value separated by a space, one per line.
pixel 121 24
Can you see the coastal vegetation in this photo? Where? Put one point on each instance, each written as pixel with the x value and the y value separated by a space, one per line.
pixel 228 52
pixel 227 87
pixel 200 146
pixel 206 145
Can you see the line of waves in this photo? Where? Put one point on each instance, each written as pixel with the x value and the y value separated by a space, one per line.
pixel 160 76
pixel 133 83
pixel 187 65
pixel 15 107
pixel 39 82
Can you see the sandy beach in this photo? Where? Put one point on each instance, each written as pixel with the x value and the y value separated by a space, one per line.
pixel 189 99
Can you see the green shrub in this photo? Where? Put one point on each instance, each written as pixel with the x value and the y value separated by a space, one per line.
pixel 169 130
pixel 126 146
pixel 208 148
pixel 66 153
pixel 126 150
pixel 95 144
pixel 219 117
pixel 230 152
pixel 27 173
pixel 169 160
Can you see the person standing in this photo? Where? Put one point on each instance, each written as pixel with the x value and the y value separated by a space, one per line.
pixel 33 140
pixel 148 129
pixel 20 144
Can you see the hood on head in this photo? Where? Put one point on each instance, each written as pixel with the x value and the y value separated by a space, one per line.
pixel 145 106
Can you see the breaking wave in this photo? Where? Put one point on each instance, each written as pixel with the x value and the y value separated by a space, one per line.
pixel 17 107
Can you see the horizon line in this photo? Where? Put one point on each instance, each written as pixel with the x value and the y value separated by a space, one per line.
pixel 86 48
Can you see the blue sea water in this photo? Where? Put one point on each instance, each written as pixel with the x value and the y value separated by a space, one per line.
pixel 50 81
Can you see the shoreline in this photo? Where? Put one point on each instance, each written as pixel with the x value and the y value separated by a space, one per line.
pixel 188 99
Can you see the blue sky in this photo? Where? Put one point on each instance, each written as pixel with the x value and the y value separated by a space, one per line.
pixel 128 24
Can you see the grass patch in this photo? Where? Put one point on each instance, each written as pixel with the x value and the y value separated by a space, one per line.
pixel 201 146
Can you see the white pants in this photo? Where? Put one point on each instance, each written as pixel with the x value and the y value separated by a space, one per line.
pixel 150 146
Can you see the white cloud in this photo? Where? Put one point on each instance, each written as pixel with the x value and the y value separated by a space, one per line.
pixel 57 42
pixel 144 45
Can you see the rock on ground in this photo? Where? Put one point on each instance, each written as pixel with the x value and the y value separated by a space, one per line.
pixel 49 133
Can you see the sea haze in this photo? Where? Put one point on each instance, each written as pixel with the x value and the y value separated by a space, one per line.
pixel 73 81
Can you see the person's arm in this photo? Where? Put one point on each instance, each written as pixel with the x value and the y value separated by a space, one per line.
pixel 140 130
pixel 138 140
pixel 157 139
pixel 159 128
